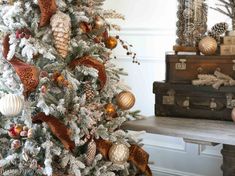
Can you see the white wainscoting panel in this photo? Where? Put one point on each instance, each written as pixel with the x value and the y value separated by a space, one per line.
pixel 150 28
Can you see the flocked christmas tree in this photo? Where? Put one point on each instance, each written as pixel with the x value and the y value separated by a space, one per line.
pixel 62 102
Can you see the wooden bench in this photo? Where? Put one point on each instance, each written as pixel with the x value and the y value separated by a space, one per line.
pixel 206 132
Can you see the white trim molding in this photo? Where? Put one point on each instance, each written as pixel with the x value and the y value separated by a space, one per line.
pixel 159 171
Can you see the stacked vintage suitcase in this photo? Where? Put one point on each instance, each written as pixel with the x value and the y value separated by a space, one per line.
pixel 177 97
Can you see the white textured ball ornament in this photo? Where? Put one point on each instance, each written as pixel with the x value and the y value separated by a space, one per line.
pixel 11 105
pixel 119 153
pixel 207 46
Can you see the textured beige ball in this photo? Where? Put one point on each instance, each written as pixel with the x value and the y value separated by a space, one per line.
pixel 125 100
pixel 233 114
pixel 207 46
pixel 11 105
pixel 119 153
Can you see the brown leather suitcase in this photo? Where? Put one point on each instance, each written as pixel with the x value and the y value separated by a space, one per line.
pixel 185 100
pixel 185 68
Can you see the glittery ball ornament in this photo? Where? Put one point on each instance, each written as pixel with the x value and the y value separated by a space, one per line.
pixel 125 100
pixel 111 42
pixel 110 110
pixel 99 22
pixel 119 153
pixel 208 46
pixel 11 105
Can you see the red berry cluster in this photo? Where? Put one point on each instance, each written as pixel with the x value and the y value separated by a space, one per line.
pixel 22 34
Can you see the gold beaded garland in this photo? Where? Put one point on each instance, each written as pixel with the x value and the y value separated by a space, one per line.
pixel 208 46
pixel 119 153
pixel 125 100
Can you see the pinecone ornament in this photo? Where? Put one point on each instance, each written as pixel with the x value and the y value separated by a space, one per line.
pixel 214 35
pixel 61 28
pixel 91 152
pixel 219 28
pixel 89 91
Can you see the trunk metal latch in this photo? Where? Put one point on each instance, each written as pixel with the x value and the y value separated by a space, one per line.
pixel 169 99
pixel 181 65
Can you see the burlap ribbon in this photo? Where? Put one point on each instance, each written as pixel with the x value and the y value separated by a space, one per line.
pixel 57 128
pixel 138 156
pixel 28 74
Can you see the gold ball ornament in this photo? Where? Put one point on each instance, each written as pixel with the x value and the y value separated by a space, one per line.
pixel 99 22
pixel 110 110
pixel 111 42
pixel 125 100
pixel 208 46
pixel 11 105
pixel 119 153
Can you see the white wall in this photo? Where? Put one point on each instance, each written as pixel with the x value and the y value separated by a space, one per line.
pixel 150 27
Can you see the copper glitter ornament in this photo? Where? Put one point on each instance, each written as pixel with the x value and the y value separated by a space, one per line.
pixel 110 111
pixel 111 42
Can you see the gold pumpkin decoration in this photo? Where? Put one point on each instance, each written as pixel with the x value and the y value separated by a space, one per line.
pixel 125 100
pixel 119 153
pixel 207 46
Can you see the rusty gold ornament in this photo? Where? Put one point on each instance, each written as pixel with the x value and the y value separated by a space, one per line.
pixel 99 22
pixel 61 28
pixel 119 153
pixel 110 111
pixel 125 100
pixel 111 42
pixel 208 46
pixel 90 61
pixel 47 8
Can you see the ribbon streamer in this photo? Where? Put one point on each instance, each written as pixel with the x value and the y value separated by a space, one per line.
pixel 89 61
pixel 28 74
pixel 47 8
pixel 57 128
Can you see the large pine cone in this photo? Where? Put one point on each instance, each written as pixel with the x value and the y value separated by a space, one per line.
pixel 61 28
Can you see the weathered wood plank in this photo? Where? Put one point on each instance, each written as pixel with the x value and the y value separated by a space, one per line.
pixel 196 129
